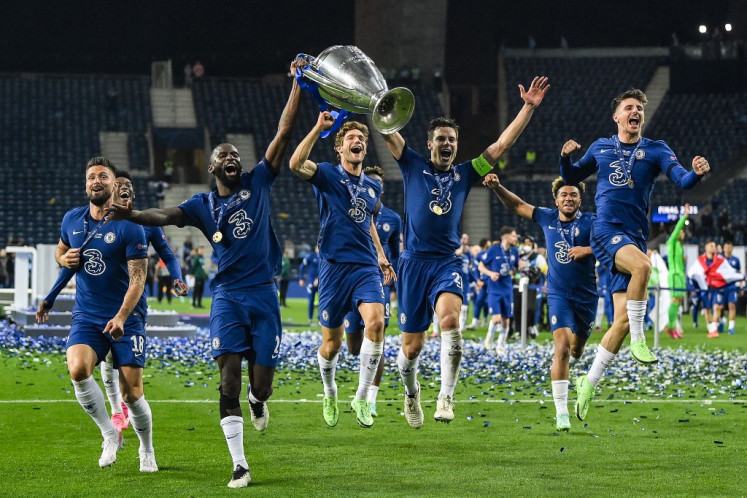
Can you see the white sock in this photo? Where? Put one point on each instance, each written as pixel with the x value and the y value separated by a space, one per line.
pixel 408 370
pixel 602 360
pixel 142 421
pixel 712 326
pixel 91 398
pixel 502 335
pixel 636 312
pixel 451 359
pixel 110 376
pixel 731 324
pixel 233 429
pixel 436 324
pixel 370 357
pixel 560 396
pixel 327 368
pixel 373 392
pixel 463 316
pixel 252 399
pixel 491 332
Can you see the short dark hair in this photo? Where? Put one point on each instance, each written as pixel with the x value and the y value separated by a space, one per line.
pixel 631 93
pixel 484 242
pixel 505 230
pixel 730 242
pixel 101 161
pixel 122 173
pixel 374 170
pixel 559 183
pixel 442 122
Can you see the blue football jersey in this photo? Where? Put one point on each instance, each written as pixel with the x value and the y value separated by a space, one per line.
pixel 618 201
pixel 309 264
pixel 156 238
pixel 497 259
pixel 434 202
pixel 389 227
pixel 567 277
pixel 249 252
pixel 345 219
pixel 103 278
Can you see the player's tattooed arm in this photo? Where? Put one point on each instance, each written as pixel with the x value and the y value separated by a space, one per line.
pixel 138 269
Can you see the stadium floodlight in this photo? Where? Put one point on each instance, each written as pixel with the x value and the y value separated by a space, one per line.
pixel 702 29
pixel 727 26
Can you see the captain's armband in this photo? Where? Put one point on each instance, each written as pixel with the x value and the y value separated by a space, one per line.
pixel 481 165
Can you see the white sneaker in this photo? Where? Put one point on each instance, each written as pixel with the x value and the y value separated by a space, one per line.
pixel 471 326
pixel 260 415
pixel 444 409
pixel 500 349
pixel 110 447
pixel 241 478
pixel 413 411
pixel 148 462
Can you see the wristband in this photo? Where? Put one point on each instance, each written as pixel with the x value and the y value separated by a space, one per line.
pixel 482 166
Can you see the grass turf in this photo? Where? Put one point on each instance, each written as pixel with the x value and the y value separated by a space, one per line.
pixel 689 446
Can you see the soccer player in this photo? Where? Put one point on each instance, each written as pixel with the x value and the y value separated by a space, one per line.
pixel 499 263
pixel 430 280
pixel 388 228
pixel 677 279
pixel 627 165
pixel 245 315
pixel 479 302
pixel 310 265
pixel 571 281
pixel 154 236
pixel 711 260
pixel 732 289
pixel 468 263
pixel 111 262
pixel 351 257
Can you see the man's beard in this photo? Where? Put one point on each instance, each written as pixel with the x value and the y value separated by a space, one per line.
pixel 99 201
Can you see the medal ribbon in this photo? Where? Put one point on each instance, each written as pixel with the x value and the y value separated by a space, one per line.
pixel 444 184
pixel 88 236
pixel 233 201
pixel 627 166
pixel 571 229
pixel 354 190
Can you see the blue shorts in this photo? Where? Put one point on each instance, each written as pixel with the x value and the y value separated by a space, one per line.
pixel 717 297
pixel 247 322
pixel 419 283
pixel 732 293
pixel 343 286
pixel 606 240
pixel 705 299
pixel 128 350
pixel 579 316
pixel 501 304
pixel 354 321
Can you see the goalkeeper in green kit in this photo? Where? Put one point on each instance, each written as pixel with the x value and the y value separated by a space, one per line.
pixel 677 279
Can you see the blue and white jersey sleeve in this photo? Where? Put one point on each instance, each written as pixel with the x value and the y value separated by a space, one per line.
pixel 157 239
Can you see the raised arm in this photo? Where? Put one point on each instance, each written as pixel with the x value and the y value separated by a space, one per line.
pixel 150 217
pixel 688 179
pixel 396 144
pixel 137 269
pixel 276 149
pixel 299 161
pixel 574 173
pixel 512 201
pixel 532 98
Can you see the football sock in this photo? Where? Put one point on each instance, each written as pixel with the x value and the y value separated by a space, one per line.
pixel 636 312
pixel 142 421
pixel 233 430
pixel 91 398
pixel 370 357
pixel 602 360
pixel 560 396
pixel 408 370
pixel 451 359
pixel 110 376
pixel 502 335
pixel 373 392
pixel 327 368
pixel 491 332
pixel 463 316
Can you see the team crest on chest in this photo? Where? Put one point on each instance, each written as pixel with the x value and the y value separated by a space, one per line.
pixel 386 227
pixel 457 177
pixel 640 154
pixel 577 232
pixel 110 237
pixel 245 194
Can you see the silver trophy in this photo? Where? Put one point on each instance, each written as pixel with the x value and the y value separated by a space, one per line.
pixel 348 79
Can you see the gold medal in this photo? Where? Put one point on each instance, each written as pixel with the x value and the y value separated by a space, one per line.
pixel 630 183
pixel 217 237
pixel 437 209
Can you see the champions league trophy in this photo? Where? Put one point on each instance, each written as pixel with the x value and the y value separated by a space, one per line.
pixel 346 78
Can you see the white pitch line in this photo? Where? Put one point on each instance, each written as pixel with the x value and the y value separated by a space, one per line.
pixel 499 401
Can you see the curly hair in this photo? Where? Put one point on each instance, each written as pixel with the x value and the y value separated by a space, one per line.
pixel 559 183
pixel 350 125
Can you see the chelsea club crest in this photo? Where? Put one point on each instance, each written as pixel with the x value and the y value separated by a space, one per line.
pixel 245 194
